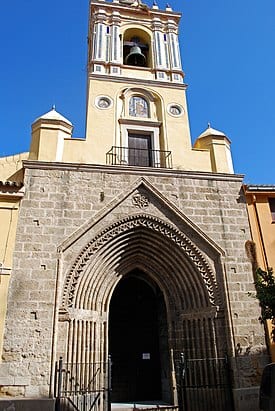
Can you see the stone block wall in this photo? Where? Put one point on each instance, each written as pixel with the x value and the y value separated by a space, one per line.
pixel 60 200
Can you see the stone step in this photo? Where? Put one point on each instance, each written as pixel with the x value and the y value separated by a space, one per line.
pixel 143 407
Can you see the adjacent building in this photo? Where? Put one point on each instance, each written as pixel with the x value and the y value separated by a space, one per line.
pixel 11 193
pixel 261 211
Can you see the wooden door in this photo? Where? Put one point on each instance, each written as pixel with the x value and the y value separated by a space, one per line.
pixel 139 150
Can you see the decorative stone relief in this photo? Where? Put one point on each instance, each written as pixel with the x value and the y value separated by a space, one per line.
pixel 103 102
pixel 175 110
pixel 140 201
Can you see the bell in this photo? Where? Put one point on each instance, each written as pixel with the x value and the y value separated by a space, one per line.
pixel 135 57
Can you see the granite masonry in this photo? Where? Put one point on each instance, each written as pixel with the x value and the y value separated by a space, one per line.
pixel 83 228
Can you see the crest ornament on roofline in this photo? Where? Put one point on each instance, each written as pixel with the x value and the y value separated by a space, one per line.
pixel 136 3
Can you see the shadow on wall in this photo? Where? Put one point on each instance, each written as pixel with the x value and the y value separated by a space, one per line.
pixel 21 404
pixel 249 366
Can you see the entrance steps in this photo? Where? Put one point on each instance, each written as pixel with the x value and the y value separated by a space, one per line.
pixel 143 406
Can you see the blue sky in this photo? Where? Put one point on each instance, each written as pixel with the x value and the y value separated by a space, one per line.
pixel 228 53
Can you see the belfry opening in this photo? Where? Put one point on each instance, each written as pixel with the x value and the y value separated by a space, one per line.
pixel 138 341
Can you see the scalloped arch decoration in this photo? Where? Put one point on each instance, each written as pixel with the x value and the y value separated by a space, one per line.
pixel 130 223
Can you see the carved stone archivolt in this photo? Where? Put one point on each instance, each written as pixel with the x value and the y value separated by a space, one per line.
pixel 154 225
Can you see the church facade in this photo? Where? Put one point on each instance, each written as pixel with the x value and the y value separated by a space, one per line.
pixel 131 242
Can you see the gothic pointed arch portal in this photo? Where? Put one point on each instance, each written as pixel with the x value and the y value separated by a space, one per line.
pixel 188 310
pixel 138 341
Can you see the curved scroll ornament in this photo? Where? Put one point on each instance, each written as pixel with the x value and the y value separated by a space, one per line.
pixel 129 223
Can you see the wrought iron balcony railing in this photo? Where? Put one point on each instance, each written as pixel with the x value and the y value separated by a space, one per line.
pixel 139 157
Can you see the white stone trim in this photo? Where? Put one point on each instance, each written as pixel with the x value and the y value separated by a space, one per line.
pixel 59 148
pixel 174 51
pixel 160 53
pixel 143 129
pixel 179 106
pixel 229 158
pixel 108 98
pixel 4 270
pixel 141 82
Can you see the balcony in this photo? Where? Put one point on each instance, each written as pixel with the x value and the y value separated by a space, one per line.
pixel 126 156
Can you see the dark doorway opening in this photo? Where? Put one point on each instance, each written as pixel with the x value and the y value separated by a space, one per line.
pixel 138 342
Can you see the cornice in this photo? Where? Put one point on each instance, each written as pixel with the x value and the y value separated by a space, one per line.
pixel 259 188
pixel 8 183
pixel 139 171
pixel 11 189
pixel 143 122
pixel 144 82
pixel 130 9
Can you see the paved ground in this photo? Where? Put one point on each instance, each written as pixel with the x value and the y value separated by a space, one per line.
pixel 119 406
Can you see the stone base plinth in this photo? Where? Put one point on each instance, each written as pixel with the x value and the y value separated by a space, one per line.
pixel 246 399
pixel 27 404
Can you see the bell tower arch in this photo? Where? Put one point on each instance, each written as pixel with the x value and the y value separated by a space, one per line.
pixel 137 48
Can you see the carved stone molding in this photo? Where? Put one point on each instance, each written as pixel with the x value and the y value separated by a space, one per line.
pixel 63 315
pixel 140 200
pixel 130 223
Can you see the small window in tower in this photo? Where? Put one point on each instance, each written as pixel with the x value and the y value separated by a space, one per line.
pixel 272 208
pixel 138 107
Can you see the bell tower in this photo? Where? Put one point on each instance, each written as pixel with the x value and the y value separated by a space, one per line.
pixel 136 94
pixel 136 105
pixel 128 33
pixel 136 98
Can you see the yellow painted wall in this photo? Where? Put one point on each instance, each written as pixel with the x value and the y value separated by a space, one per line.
pixel 8 222
pixel 104 126
pixel 11 167
pixel 10 196
pixel 263 234
pixel 262 227
pixel 103 129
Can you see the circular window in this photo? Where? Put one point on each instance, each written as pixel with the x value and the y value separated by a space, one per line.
pixel 175 110
pixel 103 102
